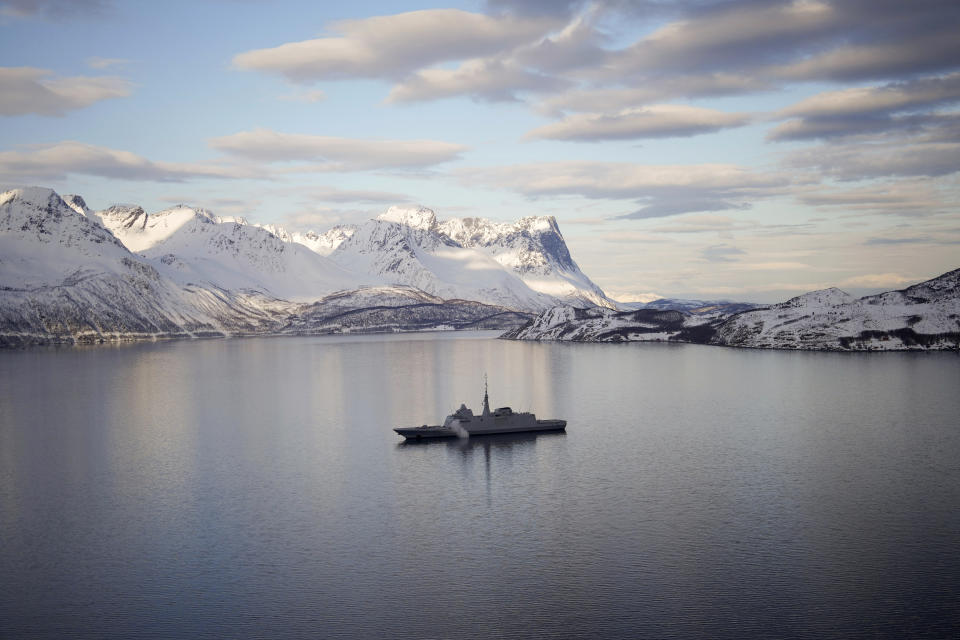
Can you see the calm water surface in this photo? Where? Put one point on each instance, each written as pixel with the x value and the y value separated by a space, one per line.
pixel 253 488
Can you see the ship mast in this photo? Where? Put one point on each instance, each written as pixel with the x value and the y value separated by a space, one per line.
pixel 486 399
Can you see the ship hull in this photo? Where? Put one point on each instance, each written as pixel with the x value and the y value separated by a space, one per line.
pixel 420 433
pixel 482 428
pixel 493 428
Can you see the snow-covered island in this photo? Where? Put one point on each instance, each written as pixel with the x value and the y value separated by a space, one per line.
pixel 921 317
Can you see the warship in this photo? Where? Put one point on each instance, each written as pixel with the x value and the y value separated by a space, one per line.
pixel 463 423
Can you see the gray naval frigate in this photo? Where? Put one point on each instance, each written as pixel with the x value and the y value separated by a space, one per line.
pixel 463 423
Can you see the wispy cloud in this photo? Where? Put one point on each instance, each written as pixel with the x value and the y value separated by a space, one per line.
pixel 610 100
pixel 899 197
pixel 889 98
pixel 699 224
pixel 105 63
pixel 491 80
pixel 900 240
pixel 861 110
pixel 655 121
pixel 880 280
pixel 881 157
pixel 311 96
pixel 54 9
pixel 57 161
pixel 800 40
pixel 28 90
pixel 394 45
pixel 336 154
pixel 663 190
pixel 314 217
pixel 721 253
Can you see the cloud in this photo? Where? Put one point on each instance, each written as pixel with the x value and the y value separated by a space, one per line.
pixel 531 67
pixel 736 35
pixel 337 154
pixel 363 196
pixel 57 161
pixel 693 86
pixel 880 158
pixel 904 197
pixel 655 121
pixel 491 80
pixel 798 40
pixel 721 253
pixel 558 8
pixel 900 240
pixel 220 206
pixel 861 110
pixel 837 127
pixel 28 90
pixel 699 224
pixel 633 297
pixel 97 62
pixel 313 96
pixel 678 204
pixel 54 9
pixel 576 46
pixel 314 217
pixel 621 9
pixel 933 49
pixel 619 180
pixel 889 98
pixel 662 190
pixel 879 280
pixel 395 45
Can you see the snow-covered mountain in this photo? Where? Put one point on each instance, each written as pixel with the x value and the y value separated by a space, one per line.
pixel 194 246
pixel 696 307
pixel 606 325
pixel 533 248
pixel 924 316
pixel 524 266
pixel 67 276
pixel 64 277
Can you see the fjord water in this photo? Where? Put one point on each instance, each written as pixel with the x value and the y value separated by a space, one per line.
pixel 253 488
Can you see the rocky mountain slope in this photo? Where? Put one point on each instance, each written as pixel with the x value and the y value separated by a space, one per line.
pixel 924 316
pixel 195 246
pixel 606 325
pixel 67 276
pixel 523 266
pixel 396 308
pixel 64 277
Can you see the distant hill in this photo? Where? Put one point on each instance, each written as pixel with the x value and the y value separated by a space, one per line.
pixel 924 316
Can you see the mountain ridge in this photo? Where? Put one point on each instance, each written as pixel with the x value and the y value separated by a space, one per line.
pixel 66 277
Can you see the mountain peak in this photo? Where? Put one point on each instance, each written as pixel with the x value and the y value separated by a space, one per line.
pixel 538 223
pixel 822 297
pixel 38 196
pixel 416 217
pixel 77 203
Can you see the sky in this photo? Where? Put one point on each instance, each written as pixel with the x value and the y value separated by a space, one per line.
pixel 714 149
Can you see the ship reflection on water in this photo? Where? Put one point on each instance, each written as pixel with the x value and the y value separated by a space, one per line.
pixel 504 445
